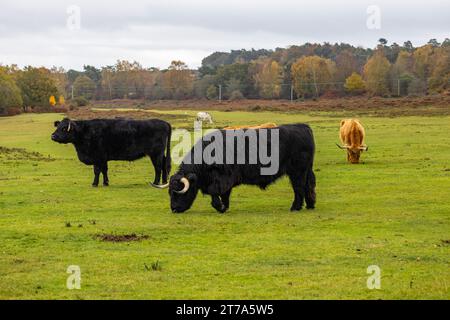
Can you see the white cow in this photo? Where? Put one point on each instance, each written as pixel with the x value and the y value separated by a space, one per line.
pixel 204 116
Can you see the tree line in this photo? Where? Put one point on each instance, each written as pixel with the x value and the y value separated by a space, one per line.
pixel 305 71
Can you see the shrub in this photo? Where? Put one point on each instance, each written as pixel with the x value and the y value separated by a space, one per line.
pixel 60 109
pixel 52 101
pixel 332 94
pixel 79 102
pixel 417 87
pixel 354 84
pixel 236 95
pixel 10 111
pixel 14 111
pixel 211 92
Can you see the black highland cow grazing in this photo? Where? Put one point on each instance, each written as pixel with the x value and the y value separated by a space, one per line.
pixel 101 140
pixel 295 155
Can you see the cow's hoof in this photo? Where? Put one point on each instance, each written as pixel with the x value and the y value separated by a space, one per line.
pixel 310 208
pixel 295 208
pixel 94 185
pixel 106 184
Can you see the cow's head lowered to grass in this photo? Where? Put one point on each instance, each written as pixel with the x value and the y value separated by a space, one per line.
pixel 352 135
pixel 353 154
pixel 183 191
pixel 65 131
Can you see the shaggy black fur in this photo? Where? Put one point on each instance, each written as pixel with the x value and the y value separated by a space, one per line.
pixel 296 156
pixel 101 140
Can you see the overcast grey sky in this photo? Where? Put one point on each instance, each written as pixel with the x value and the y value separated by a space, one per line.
pixel 156 32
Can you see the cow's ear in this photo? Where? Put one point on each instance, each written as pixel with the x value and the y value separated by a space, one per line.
pixel 56 124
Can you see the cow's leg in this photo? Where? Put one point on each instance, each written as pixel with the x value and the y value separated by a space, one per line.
pixel 97 171
pixel 157 161
pixel 164 170
pixel 226 199
pixel 310 190
pixel 298 181
pixel 105 174
pixel 217 204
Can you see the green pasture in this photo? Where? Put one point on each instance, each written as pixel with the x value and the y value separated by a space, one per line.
pixel 392 211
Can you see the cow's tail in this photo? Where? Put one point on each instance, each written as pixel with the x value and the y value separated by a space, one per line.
pixel 167 161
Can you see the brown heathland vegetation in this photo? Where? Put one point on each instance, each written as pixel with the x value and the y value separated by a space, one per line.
pixel 433 105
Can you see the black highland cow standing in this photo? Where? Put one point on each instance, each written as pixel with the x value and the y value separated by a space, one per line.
pixel 101 140
pixel 296 155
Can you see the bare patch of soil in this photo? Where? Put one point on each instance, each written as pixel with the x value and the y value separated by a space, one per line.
pixel 120 238
pixel 22 154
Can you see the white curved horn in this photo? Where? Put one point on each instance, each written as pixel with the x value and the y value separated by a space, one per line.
pixel 68 129
pixel 159 186
pixel 344 147
pixel 365 148
pixel 186 185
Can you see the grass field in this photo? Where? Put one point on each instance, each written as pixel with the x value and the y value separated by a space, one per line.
pixel 393 211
